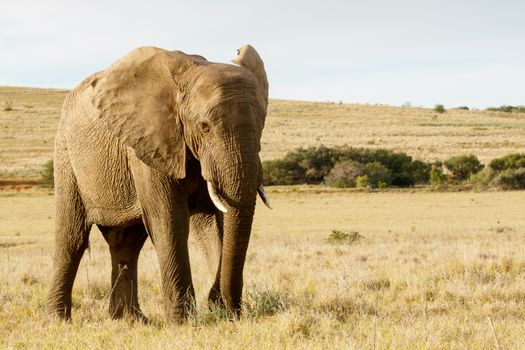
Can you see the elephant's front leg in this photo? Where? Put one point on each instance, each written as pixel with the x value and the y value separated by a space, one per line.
pixel 166 218
pixel 207 228
pixel 169 234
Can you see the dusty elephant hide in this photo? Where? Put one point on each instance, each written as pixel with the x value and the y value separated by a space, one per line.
pixel 160 144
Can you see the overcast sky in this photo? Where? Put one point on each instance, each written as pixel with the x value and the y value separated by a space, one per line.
pixel 458 52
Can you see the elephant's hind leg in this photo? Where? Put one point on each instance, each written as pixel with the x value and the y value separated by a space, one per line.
pixel 124 246
pixel 71 240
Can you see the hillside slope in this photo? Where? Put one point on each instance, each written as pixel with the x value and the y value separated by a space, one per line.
pixel 27 131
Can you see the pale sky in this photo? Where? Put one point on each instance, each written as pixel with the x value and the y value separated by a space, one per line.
pixel 389 52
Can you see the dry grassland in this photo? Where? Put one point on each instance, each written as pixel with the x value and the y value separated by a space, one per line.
pixel 432 271
pixel 28 130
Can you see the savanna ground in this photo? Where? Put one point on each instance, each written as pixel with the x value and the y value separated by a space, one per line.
pixel 418 269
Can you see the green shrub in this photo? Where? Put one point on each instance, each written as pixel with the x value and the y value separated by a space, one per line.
pixel 510 179
pixel 463 108
pixel 439 109
pixel 483 178
pixel 344 174
pixel 47 177
pixel 303 165
pixel 404 171
pixel 342 237
pixel 281 172
pixel 377 172
pixel 510 161
pixel 437 178
pixel 416 171
pixel 462 167
pixel 362 181
pixel 316 164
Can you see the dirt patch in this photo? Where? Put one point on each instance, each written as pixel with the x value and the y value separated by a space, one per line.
pixel 18 184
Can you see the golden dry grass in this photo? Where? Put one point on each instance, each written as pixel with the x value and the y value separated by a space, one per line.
pixel 432 271
pixel 28 130
pixel 429 272
pixel 420 132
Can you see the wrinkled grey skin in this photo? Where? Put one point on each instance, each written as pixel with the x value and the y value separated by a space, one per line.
pixel 135 148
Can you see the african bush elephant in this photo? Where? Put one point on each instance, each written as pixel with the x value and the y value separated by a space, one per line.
pixel 159 144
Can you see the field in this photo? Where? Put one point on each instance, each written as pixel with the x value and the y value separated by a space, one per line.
pixel 28 129
pixel 432 270
pixel 391 269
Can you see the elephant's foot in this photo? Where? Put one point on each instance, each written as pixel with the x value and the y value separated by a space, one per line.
pixel 180 311
pixel 58 310
pixel 133 312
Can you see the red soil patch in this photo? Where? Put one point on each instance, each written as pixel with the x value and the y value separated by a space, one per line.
pixel 18 184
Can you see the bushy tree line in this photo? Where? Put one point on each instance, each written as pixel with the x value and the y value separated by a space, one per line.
pixel 507 109
pixel 346 166
pixel 507 173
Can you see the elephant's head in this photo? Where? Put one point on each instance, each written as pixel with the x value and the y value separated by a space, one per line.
pixel 167 105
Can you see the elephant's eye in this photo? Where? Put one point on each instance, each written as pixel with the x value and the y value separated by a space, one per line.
pixel 205 127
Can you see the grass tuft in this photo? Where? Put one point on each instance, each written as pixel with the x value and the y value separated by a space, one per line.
pixel 261 303
pixel 338 237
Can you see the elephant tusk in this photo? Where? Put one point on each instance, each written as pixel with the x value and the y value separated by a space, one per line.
pixel 264 196
pixel 215 199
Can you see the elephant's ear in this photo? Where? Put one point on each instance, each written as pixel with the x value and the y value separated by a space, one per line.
pixel 136 99
pixel 248 57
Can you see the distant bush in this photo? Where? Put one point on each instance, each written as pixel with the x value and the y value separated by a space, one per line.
pixel 437 178
pixel 346 166
pixel 378 174
pixel 404 171
pixel 344 174
pixel 462 167
pixel 507 109
pixel 413 173
pixel 281 172
pixel 483 178
pixel 362 181
pixel 47 176
pixel 314 165
pixel 315 161
pixel 308 165
pixel 510 161
pixel 463 108
pixel 510 179
pixel 439 109
pixel 347 173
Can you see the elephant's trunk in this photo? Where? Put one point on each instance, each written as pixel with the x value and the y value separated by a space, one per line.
pixel 237 228
pixel 237 188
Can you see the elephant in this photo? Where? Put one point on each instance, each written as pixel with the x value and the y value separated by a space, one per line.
pixel 158 145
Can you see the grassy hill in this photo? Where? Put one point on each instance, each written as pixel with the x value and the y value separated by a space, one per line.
pixel 27 130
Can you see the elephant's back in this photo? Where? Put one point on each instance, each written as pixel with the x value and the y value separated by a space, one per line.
pixel 99 162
